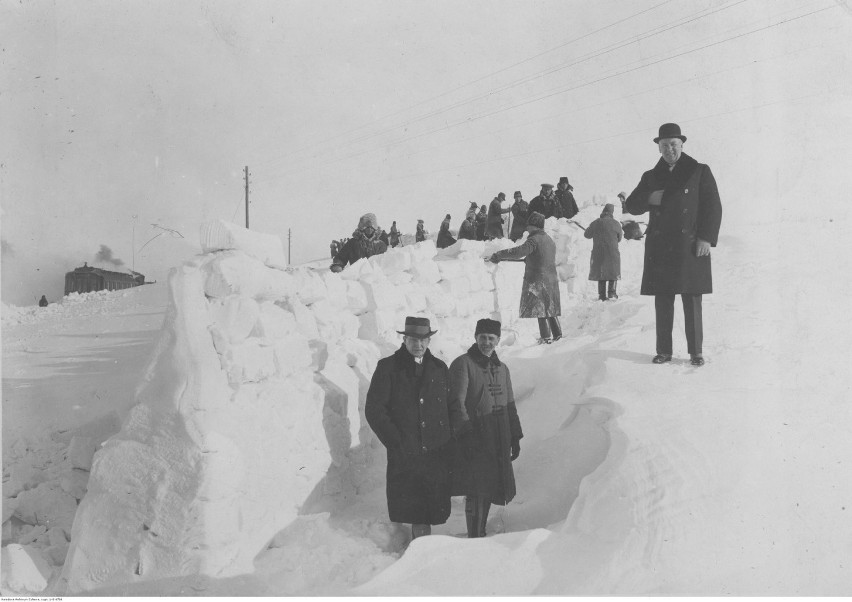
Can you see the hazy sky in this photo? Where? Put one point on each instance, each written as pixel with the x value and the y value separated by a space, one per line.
pixel 110 110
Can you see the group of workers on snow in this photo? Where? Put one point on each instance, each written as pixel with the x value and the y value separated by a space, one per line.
pixel 455 431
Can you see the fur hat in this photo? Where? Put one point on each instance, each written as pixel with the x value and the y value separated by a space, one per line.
pixel 535 219
pixel 487 326
pixel 368 219
pixel 608 209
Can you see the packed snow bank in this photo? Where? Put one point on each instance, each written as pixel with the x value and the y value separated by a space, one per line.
pixel 253 403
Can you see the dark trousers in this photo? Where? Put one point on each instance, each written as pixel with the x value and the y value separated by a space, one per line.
pixel 692 321
pixel 602 289
pixel 546 326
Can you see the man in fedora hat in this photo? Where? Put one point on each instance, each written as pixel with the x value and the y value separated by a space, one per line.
pixel 546 203
pixel 566 199
pixel 409 408
pixel 367 240
pixel 488 428
pixel 685 214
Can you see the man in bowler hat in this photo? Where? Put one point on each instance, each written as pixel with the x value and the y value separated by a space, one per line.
pixel 409 408
pixel 685 214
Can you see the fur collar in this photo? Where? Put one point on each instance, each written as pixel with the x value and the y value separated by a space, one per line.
pixel 477 356
pixel 679 175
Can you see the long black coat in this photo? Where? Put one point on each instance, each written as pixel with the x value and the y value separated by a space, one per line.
pixel 520 209
pixel 690 209
pixel 494 227
pixel 482 465
pixel 547 206
pixel 467 230
pixel 445 239
pixel 411 417
pixel 540 297
pixel 605 262
pixel 568 203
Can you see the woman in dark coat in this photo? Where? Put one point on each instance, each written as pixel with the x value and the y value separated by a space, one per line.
pixel 520 209
pixel 409 408
pixel 540 294
pixel 488 431
pixel 605 261
pixel 445 239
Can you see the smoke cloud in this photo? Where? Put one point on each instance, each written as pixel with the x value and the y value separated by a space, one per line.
pixel 105 256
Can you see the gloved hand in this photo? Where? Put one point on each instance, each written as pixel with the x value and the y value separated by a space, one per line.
pixel 493 258
pixel 516 448
pixel 336 268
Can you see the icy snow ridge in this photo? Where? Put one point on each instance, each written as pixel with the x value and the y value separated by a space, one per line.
pixel 218 456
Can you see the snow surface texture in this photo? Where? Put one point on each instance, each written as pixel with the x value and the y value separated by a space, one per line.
pixel 256 390
pixel 633 478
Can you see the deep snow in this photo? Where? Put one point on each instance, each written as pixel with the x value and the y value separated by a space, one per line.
pixel 633 479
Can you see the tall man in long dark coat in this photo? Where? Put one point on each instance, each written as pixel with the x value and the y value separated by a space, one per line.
pixel 565 196
pixel 520 208
pixel 409 408
pixel 546 203
pixel 488 428
pixel 682 199
pixel 494 223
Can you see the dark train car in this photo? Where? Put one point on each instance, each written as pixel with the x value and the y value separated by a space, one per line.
pixel 88 279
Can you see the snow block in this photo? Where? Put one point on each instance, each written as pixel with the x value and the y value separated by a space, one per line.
pixel 233 318
pixel 292 353
pixel 423 251
pixel 231 272
pixel 249 361
pixel 450 270
pixel 220 235
pixel 80 452
pixel 23 570
pixel 306 323
pixel 341 418
pixel 309 286
pixel 392 261
pixel 273 322
pixel 439 302
pixel 356 297
pixel 46 505
pixel 334 323
pixel 425 271
pixel 382 295
pixel 336 287
pixel 400 278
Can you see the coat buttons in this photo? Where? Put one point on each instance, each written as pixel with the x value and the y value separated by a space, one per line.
pixel 686 191
pixel 423 424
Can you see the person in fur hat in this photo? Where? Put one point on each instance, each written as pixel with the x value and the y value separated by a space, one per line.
pixel 366 241
pixel 565 196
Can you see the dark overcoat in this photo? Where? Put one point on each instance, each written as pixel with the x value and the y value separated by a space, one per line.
pixel 690 209
pixel 445 239
pixel 494 227
pixel 605 262
pixel 359 247
pixel 482 464
pixel 481 222
pixel 411 416
pixel 540 294
pixel 420 234
pixel 548 206
pixel 467 230
pixel 567 203
pixel 520 211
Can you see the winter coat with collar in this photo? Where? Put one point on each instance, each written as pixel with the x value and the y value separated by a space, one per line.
pixel 540 296
pixel 481 223
pixel 547 206
pixel 445 238
pixel 690 209
pixel 494 227
pixel 361 246
pixel 488 423
pixel 567 203
pixel 411 416
pixel 605 262
pixel 467 230
pixel 520 210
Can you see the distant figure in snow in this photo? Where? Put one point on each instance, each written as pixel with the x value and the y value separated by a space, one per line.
pixel 409 408
pixel 605 261
pixel 42 302
pixel 494 221
pixel 540 293
pixel 366 241
pixel 489 430
pixel 520 209
pixel 685 214
pixel 481 222
pixel 394 235
pixel 566 198
pixel 420 233
pixel 445 239
pixel 467 230
pixel 546 203
pixel 622 196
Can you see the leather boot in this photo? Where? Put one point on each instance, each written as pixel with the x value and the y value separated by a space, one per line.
pixel 484 507
pixel 555 328
pixel 602 290
pixel 612 294
pixel 470 506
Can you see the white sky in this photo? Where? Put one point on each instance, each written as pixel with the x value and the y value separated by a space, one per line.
pixel 406 109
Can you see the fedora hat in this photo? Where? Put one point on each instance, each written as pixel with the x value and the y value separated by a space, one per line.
pixel 669 130
pixel 418 328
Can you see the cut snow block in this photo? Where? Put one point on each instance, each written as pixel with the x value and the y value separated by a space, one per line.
pixel 80 452
pixel 400 278
pixel 342 420
pixel 9 505
pixel 233 318
pixel 273 322
pixel 356 297
pixel 566 271
pixel 232 272
pixel 357 270
pixel 383 295
pixel 306 323
pixel 219 235
pixel 381 326
pixel 415 300
pixel 250 361
pixel 424 250
pixel 292 353
pixel 334 323
pixel 450 269
pixel 457 287
pixel 310 287
pixel 425 271
pixel 24 570
pixel 336 287
pixel 439 302
pixel 46 505
pixel 392 261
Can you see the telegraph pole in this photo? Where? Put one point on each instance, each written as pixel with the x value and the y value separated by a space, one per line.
pixel 247 197
pixel 289 234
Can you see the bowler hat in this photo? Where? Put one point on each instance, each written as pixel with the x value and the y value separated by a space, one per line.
pixel 487 326
pixel 417 327
pixel 670 130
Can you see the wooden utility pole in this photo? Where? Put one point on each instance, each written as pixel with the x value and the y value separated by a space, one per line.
pixel 247 199
pixel 289 234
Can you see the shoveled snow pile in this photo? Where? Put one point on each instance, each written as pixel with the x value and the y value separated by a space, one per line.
pixel 253 402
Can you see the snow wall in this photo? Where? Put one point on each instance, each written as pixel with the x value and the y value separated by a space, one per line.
pixel 253 401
